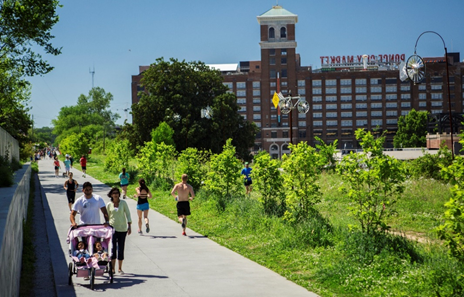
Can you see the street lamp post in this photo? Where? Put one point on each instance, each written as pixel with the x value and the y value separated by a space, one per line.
pixel 414 73
pixel 287 106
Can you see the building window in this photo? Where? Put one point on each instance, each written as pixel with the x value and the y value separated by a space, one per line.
pixel 283 32
pixel 273 84
pixel 301 123
pixel 436 111
pixel 317 83
pixel 361 105
pixel 241 93
pixel 376 81
pixel 405 112
pixel 241 101
pixel 345 82
pixel 346 106
pixel 376 97
pixel 317 107
pixel 376 89
pixel 284 72
pixel 302 133
pixel 317 98
pixel 272 61
pixel 361 122
pixel 361 89
pixel 330 98
pixel 437 96
pixel 301 83
pixel 392 121
pixel 347 114
pixel 242 109
pixel 256 116
pixel 244 116
pixel 390 89
pixel 422 87
pixel 391 105
pixel 317 91
pixel 283 83
pixel 405 88
pixel 331 106
pixel 392 113
pixel 331 115
pixel 376 105
pixel 345 90
pixel 424 104
pixel 271 33
pixel 345 98
pixel 360 81
pixel 228 84
pixel 361 114
pixel 406 96
pixel 283 61
pixel 331 82
pixel 331 90
pixel 376 113
pixel 422 96
pixel 301 91
pixel 301 115
pixel 273 134
pixel 272 73
pixel 436 87
pixel 317 114
pixel 376 122
pixel 258 124
pixel 256 108
pixel 317 123
pixel 331 123
pixel 437 103
pixel 256 100
pixel 241 85
pixel 391 97
pixel 256 84
pixel 283 52
pixel 346 123
pixel 405 104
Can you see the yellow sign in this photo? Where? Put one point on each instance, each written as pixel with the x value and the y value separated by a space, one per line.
pixel 275 99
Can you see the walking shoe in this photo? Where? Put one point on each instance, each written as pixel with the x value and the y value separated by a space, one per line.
pixel 183 233
pixel 123 196
pixel 148 228
pixel 140 232
pixel 183 223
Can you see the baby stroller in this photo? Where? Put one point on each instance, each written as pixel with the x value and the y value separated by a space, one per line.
pixel 92 267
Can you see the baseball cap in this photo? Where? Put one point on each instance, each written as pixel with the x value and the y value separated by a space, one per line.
pixel 246 163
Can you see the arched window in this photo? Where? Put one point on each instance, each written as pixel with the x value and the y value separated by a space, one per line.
pixel 283 32
pixel 285 147
pixel 274 147
pixel 271 33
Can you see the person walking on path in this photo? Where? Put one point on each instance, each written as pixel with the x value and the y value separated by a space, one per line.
pixel 183 191
pixel 89 206
pixel 120 219
pixel 70 185
pixel 56 163
pixel 83 162
pixel 67 165
pixel 247 179
pixel 72 161
pixel 143 194
pixel 124 180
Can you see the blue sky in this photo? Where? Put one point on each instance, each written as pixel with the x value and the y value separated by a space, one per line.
pixel 115 37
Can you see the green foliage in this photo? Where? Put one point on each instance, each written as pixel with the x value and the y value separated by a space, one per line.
pixel 156 163
pixel 268 180
pixel 163 133
pixel 118 154
pixel 75 145
pixel 6 172
pixel 175 93
pixel 412 130
pixel 43 135
pixel 224 179
pixel 193 163
pixel 327 152
pixel 429 166
pixel 374 182
pixel 301 172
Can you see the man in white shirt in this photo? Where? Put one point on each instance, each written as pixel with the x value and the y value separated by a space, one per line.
pixel 89 207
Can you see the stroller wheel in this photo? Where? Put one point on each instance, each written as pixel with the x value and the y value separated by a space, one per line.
pixel 70 273
pixel 110 271
pixel 92 278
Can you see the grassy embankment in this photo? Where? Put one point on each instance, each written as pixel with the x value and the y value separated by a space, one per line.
pixel 333 261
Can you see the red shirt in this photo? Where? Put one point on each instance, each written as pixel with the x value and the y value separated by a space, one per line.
pixel 83 161
pixel 56 163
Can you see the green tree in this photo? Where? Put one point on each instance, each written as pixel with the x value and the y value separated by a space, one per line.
pixel 163 133
pixel 193 162
pixel 412 130
pixel 268 180
pixel 327 153
pixel 373 181
pixel 26 25
pixel 118 155
pixel 301 172
pixel 156 163
pixel 75 145
pixel 175 93
pixel 224 179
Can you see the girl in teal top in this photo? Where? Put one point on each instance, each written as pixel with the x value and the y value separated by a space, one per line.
pixel 124 180
pixel 120 219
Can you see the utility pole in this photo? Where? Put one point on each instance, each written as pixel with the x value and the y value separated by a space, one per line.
pixel 93 74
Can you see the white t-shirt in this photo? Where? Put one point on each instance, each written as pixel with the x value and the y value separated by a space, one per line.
pixel 89 209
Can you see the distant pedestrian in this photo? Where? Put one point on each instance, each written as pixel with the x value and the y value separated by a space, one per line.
pixel 143 194
pixel 184 194
pixel 83 162
pixel 67 165
pixel 70 185
pixel 124 180
pixel 120 219
pixel 72 161
pixel 56 163
pixel 89 207
pixel 247 179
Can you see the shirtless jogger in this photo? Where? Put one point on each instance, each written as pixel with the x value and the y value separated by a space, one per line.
pixel 183 205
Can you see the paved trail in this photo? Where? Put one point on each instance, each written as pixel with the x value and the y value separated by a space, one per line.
pixel 160 263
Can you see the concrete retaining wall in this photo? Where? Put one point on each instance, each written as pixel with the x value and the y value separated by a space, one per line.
pixel 13 212
pixel 8 145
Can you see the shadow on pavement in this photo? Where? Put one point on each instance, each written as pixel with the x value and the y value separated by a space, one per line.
pixel 120 281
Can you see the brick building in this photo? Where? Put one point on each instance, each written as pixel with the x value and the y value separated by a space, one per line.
pixel 346 93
